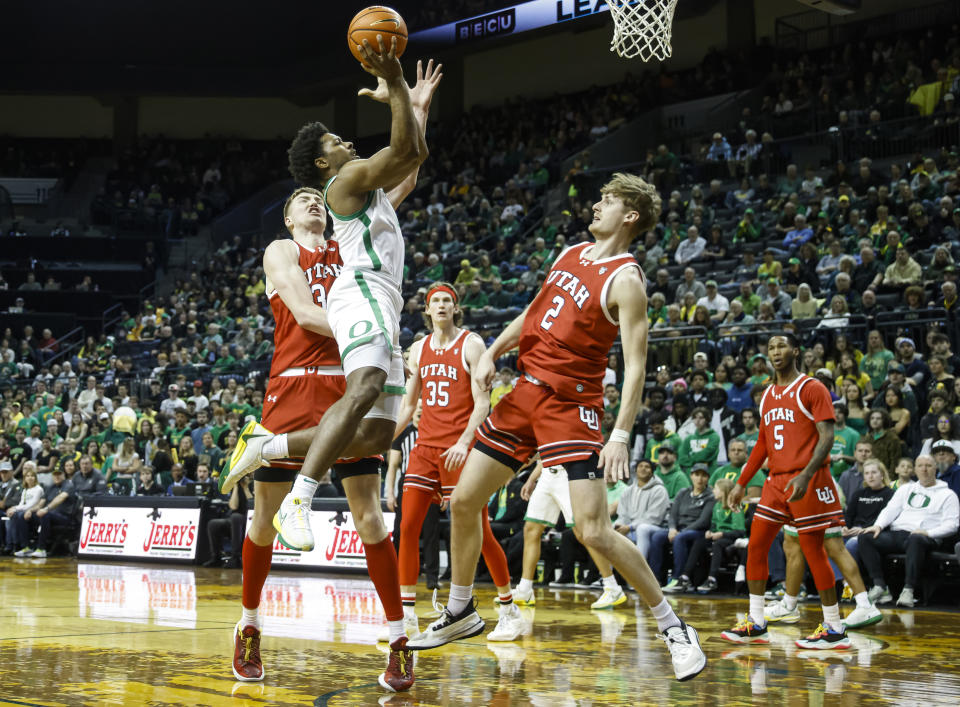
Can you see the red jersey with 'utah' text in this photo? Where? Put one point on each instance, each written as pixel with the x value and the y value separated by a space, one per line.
pixel 445 392
pixel 295 347
pixel 568 330
pixel 788 422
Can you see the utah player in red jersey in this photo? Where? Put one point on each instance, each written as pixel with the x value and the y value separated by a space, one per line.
pixel 453 406
pixel 305 380
pixel 796 434
pixel 592 292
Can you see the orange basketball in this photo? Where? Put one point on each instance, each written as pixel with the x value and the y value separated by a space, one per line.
pixel 370 22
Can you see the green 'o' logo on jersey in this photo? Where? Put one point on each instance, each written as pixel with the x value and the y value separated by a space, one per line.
pixel 918 500
pixel 367 327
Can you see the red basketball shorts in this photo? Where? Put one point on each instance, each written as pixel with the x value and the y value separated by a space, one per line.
pixel 532 418
pixel 297 402
pixel 427 471
pixel 819 508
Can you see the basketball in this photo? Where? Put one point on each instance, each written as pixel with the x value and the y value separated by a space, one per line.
pixel 374 20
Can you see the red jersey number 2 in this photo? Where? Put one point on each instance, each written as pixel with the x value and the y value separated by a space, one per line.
pixel 552 313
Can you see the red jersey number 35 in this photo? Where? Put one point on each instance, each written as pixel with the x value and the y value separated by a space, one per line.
pixel 437 394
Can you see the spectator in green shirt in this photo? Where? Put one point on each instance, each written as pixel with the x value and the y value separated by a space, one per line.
pixel 747 231
pixel 669 472
pixel 28 421
pixel 748 299
pixel 176 432
pixel 210 454
pixel 659 436
pixel 751 429
pixel 844 442
pixel 498 297
pixel 611 399
pixel 225 361
pixel 475 297
pixel 874 362
pixel 45 413
pixel 726 527
pixel 559 244
pixel 701 447
pixel 547 231
pixel 540 249
pixel 219 424
pixel 434 270
pixel 737 454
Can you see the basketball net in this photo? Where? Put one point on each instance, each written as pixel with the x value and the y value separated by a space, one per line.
pixel 642 28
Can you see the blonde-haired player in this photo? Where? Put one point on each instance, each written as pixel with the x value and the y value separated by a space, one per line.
pixel 593 292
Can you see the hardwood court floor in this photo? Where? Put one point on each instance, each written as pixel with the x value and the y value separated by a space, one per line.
pixel 79 633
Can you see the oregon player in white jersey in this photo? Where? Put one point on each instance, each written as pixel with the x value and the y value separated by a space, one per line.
pixel 363 306
pixel 362 311
pixel 364 303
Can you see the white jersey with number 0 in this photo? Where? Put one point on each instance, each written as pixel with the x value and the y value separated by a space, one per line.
pixel 370 239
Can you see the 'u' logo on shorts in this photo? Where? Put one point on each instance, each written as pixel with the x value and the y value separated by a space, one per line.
pixel 825 495
pixel 590 418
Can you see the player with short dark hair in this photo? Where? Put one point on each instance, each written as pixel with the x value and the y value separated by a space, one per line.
pixel 796 434
pixel 360 421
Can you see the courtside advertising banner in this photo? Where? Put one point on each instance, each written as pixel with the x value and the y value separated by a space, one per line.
pixel 116 531
pixel 338 544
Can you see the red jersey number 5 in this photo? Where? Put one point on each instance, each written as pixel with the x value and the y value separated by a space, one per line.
pixel 778 437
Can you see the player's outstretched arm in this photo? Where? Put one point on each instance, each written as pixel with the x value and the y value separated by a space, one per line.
pixel 409 403
pixel 421 96
pixel 457 454
pixel 629 297
pixel 486 366
pixel 282 268
pixel 406 150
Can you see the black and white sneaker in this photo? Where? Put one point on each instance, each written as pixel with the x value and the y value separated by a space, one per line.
pixel 685 652
pixel 449 628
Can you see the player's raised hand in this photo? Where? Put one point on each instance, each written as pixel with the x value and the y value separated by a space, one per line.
pixel 427 81
pixel 799 485
pixel 380 94
pixel 455 456
pixel 615 462
pixel 381 61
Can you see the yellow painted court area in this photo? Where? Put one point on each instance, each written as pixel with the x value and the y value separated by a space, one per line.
pixel 81 633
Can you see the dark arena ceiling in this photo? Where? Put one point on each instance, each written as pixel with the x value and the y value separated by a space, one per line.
pixel 205 47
